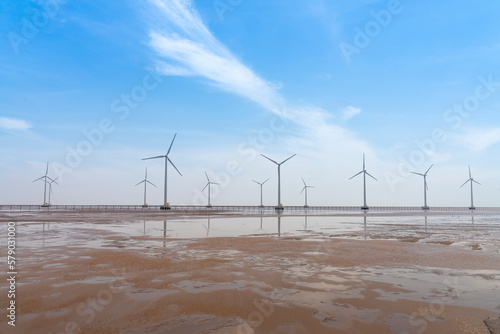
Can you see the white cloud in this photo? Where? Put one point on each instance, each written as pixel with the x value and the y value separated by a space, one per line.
pixel 14 124
pixel 479 140
pixel 350 112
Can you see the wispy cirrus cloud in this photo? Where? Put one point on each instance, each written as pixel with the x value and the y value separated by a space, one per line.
pixel 350 112
pixel 14 124
pixel 480 139
pixel 185 47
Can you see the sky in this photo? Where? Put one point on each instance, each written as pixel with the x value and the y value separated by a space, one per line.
pixel 95 87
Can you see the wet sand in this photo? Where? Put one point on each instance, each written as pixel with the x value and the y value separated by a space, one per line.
pixel 258 284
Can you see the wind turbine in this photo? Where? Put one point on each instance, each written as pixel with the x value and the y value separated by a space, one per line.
pixel 425 207
pixel 145 181
pixel 208 185
pixel 472 181
pixel 166 205
pixel 50 187
pixel 364 207
pixel 261 184
pixel 45 178
pixel 280 206
pixel 305 189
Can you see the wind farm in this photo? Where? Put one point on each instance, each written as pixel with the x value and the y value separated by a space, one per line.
pixel 259 219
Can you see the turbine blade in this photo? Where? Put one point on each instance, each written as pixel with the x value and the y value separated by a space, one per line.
pixel 50 179
pixel 39 178
pixel 55 180
pixel 151 183
pixel 171 144
pixel 47 169
pixel 174 166
pixel 417 173
pixel 139 183
pixel 356 175
pixel 270 159
pixel 303 190
pixel 205 186
pixel 265 181
pixel 304 182
pixel 287 159
pixel 370 176
pixel 465 183
pixel 146 175
pixel 476 182
pixel 426 186
pixel 215 183
pixel 428 169
pixel 160 156
pixel 256 182
pixel 207 177
pixel 470 175
pixel 364 161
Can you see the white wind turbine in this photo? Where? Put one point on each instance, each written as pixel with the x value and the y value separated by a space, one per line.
pixel 45 178
pixel 261 184
pixel 166 205
pixel 472 181
pixel 50 187
pixel 280 206
pixel 208 185
pixel 425 207
pixel 364 207
pixel 305 190
pixel 145 181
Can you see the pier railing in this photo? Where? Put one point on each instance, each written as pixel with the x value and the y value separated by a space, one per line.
pixel 232 208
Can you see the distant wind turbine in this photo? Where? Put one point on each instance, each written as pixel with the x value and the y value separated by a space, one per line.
pixel 472 181
pixel 166 205
pixel 364 207
pixel 305 190
pixel 208 185
pixel 280 206
pixel 261 184
pixel 425 207
pixel 45 178
pixel 145 181
pixel 50 187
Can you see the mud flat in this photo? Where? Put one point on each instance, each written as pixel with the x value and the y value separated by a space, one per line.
pixel 95 273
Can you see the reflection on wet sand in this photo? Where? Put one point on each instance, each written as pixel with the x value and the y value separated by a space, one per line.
pixel 213 274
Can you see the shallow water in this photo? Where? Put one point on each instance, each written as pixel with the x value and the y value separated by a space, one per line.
pixel 478 232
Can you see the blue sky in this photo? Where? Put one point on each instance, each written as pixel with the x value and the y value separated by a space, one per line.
pixel 94 87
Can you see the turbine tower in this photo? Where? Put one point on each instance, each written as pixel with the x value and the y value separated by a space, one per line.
pixel 305 190
pixel 145 181
pixel 261 184
pixel 425 207
pixel 472 181
pixel 45 178
pixel 50 188
pixel 280 206
pixel 166 205
pixel 208 185
pixel 364 207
